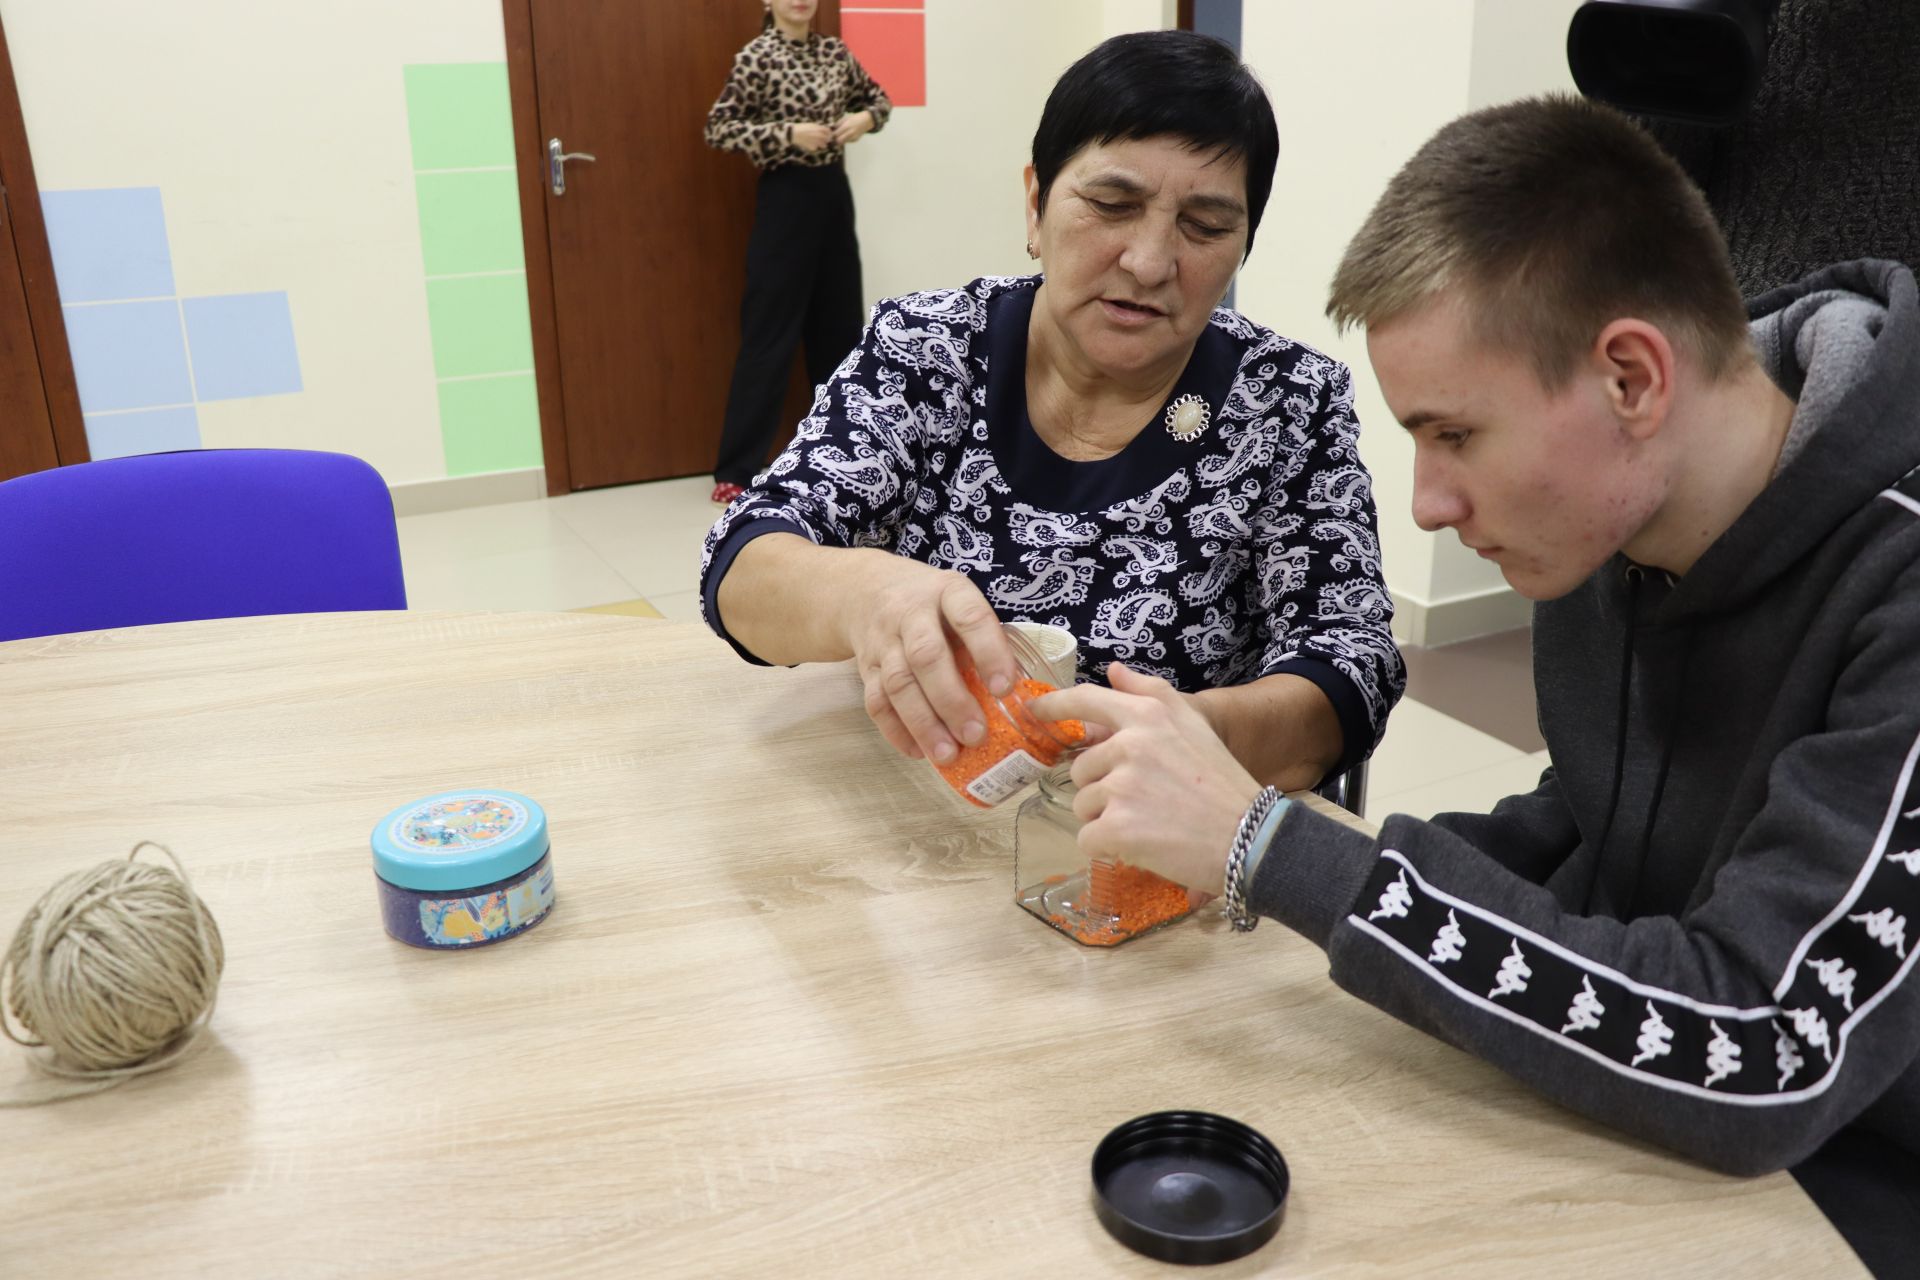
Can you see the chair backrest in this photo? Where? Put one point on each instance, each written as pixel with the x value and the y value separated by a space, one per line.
pixel 207 533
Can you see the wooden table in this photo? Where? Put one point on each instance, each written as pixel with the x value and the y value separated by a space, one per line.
pixel 786 1019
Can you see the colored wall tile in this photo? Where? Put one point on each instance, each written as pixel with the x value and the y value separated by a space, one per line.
pixel 470 222
pixel 128 355
pixel 108 244
pixel 119 435
pixel 480 325
pixel 460 118
pixel 241 344
pixel 490 424
pixel 893 49
pixel 459 115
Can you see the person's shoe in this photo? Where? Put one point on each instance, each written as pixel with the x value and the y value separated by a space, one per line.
pixel 724 493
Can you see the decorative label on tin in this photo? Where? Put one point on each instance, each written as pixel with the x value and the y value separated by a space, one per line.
pixel 455 922
pixel 458 922
pixel 461 824
pixel 531 898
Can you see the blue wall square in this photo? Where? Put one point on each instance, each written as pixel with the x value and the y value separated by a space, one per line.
pixel 242 345
pixel 108 245
pixel 118 435
pixel 128 355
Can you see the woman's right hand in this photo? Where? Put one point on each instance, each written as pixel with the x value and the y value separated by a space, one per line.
pixel 902 629
pixel 810 137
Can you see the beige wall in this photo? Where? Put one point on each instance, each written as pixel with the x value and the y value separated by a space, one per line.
pixel 938 191
pixel 1519 49
pixel 293 172
pixel 1358 86
pixel 284 172
pixel 1118 16
pixel 308 188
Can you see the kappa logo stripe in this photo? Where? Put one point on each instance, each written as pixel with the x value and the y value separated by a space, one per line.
pixel 1765 1055
pixel 1541 942
pixel 1611 1061
pixel 1899 830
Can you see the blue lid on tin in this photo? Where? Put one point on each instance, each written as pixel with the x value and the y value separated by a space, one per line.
pixel 459 839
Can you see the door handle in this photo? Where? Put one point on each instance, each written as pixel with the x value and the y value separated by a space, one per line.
pixel 557 165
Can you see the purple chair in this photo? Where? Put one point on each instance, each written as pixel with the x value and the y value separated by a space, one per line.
pixel 207 533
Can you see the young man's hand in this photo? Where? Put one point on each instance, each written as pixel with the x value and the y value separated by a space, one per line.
pixel 1161 791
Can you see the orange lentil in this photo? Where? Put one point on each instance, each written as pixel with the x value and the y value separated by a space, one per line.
pixel 1010 727
pixel 1138 900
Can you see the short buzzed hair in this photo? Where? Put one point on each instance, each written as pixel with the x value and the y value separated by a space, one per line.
pixel 1557 216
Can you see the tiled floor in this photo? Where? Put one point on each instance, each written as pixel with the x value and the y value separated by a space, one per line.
pixel 593 548
pixel 1462 739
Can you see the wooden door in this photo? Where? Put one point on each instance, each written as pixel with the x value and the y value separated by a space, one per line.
pixel 40 423
pixel 634 273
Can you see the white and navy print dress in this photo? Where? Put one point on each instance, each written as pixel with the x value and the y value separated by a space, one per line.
pixel 1248 552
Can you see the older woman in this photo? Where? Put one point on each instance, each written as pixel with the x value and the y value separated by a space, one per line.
pixel 1097 447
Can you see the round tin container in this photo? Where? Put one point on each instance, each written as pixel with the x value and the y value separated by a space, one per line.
pixel 463 868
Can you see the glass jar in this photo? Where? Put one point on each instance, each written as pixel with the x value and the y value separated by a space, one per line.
pixel 1019 746
pixel 1099 904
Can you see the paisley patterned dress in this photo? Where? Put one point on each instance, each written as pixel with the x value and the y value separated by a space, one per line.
pixel 1248 552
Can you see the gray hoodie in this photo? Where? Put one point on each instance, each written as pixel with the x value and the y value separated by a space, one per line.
pixel 1699 927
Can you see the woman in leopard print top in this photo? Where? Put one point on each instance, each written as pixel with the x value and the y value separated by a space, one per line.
pixel 793 104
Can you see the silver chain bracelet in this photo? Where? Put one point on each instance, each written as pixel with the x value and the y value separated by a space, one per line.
pixel 1234 900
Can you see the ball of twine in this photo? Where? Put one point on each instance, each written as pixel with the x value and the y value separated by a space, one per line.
pixel 113 972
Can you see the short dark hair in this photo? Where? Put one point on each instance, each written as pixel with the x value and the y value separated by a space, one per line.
pixel 1555 216
pixel 1151 84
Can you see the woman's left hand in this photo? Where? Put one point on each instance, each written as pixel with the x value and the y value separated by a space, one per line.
pixel 1161 791
pixel 852 126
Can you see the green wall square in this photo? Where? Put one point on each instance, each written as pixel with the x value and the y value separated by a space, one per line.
pixel 490 424
pixel 479 324
pixel 459 114
pixel 470 222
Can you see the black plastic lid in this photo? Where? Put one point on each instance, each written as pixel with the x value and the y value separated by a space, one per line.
pixel 1189 1186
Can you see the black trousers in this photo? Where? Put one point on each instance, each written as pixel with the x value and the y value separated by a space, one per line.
pixel 803 286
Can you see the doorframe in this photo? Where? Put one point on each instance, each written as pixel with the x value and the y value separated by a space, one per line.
pixel 27 227
pixel 531 175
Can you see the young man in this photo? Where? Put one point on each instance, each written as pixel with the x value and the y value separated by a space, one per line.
pixel 1699 927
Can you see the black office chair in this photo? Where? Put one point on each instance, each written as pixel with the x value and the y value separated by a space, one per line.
pixel 1697 61
pixel 1348 790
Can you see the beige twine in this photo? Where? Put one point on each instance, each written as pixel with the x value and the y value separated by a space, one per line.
pixel 113 972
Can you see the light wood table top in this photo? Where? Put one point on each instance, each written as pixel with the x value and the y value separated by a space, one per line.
pixel 785 1020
